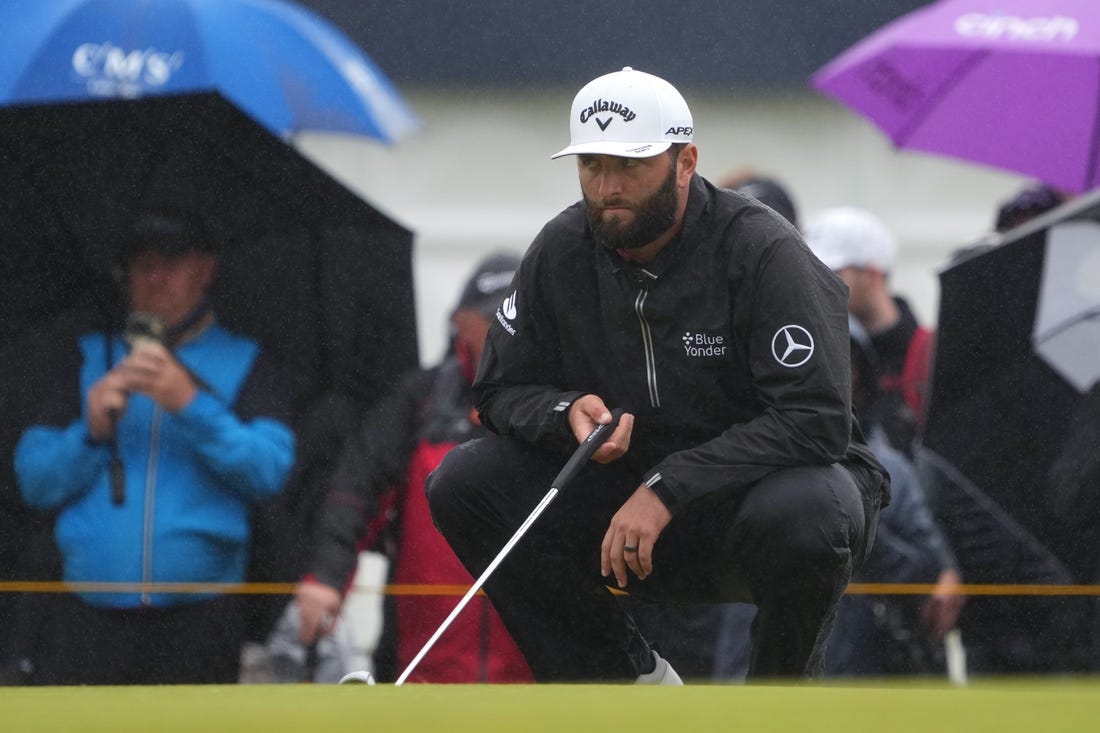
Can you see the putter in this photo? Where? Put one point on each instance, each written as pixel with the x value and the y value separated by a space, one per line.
pixel 572 467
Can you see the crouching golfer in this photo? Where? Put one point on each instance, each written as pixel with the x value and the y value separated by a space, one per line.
pixel 738 472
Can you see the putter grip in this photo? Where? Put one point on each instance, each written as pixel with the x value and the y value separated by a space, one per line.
pixel 585 450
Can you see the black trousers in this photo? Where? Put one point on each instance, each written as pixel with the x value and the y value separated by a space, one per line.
pixel 193 643
pixel 788 544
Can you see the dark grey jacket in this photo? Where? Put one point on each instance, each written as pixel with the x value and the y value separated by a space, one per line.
pixel 730 348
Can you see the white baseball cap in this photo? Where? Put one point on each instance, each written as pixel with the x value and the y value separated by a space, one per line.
pixel 627 113
pixel 846 236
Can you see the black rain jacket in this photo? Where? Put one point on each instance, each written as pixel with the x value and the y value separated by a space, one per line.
pixel 730 348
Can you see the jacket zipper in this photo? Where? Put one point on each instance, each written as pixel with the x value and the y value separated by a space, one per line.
pixel 647 337
pixel 150 505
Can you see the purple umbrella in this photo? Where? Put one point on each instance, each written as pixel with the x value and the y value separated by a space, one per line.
pixel 1014 84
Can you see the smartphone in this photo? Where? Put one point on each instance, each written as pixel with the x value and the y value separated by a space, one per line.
pixel 143 327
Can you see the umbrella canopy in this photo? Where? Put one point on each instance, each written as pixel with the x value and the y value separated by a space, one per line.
pixel 1002 405
pixel 278 62
pixel 1067 324
pixel 307 267
pixel 1009 446
pixel 1006 83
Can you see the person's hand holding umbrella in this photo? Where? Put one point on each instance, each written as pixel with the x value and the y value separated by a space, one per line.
pixel 106 400
pixel 149 369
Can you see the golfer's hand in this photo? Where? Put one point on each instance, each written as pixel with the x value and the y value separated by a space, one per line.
pixel 106 400
pixel 588 412
pixel 941 611
pixel 152 370
pixel 318 607
pixel 638 523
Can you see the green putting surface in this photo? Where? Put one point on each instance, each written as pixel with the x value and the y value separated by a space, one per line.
pixel 1036 706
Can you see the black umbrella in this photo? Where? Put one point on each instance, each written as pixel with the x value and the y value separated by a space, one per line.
pixel 1001 413
pixel 309 268
pixel 315 273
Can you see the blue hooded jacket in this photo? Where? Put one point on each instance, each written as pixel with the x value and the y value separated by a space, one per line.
pixel 192 478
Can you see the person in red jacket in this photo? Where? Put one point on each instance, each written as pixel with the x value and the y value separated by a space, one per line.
pixel 382 469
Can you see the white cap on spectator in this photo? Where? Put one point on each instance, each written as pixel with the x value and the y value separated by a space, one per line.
pixel 846 236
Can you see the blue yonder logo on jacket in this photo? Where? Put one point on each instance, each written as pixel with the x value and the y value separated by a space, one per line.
pixel 702 345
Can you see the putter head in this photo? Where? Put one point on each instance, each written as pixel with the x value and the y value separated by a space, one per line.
pixel 362 677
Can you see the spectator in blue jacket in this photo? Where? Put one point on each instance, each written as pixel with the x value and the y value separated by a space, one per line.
pixel 153 467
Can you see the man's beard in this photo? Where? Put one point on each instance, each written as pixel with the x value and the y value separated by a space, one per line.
pixel 652 217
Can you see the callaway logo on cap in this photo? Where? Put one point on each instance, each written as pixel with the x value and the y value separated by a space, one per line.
pixel 627 113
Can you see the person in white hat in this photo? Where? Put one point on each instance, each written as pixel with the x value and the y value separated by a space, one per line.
pixel 856 245
pixel 736 471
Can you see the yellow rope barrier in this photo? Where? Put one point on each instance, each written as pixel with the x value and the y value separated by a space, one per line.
pixel 34 586
pixel 974 589
pixel 416 589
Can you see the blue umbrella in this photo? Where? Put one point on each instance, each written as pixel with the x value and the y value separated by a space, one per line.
pixel 280 63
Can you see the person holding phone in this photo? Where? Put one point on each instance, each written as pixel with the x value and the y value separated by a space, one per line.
pixel 153 460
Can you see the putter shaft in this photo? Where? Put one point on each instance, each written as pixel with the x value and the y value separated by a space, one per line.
pixel 572 467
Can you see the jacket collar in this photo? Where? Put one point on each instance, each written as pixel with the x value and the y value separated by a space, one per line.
pixel 699 202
